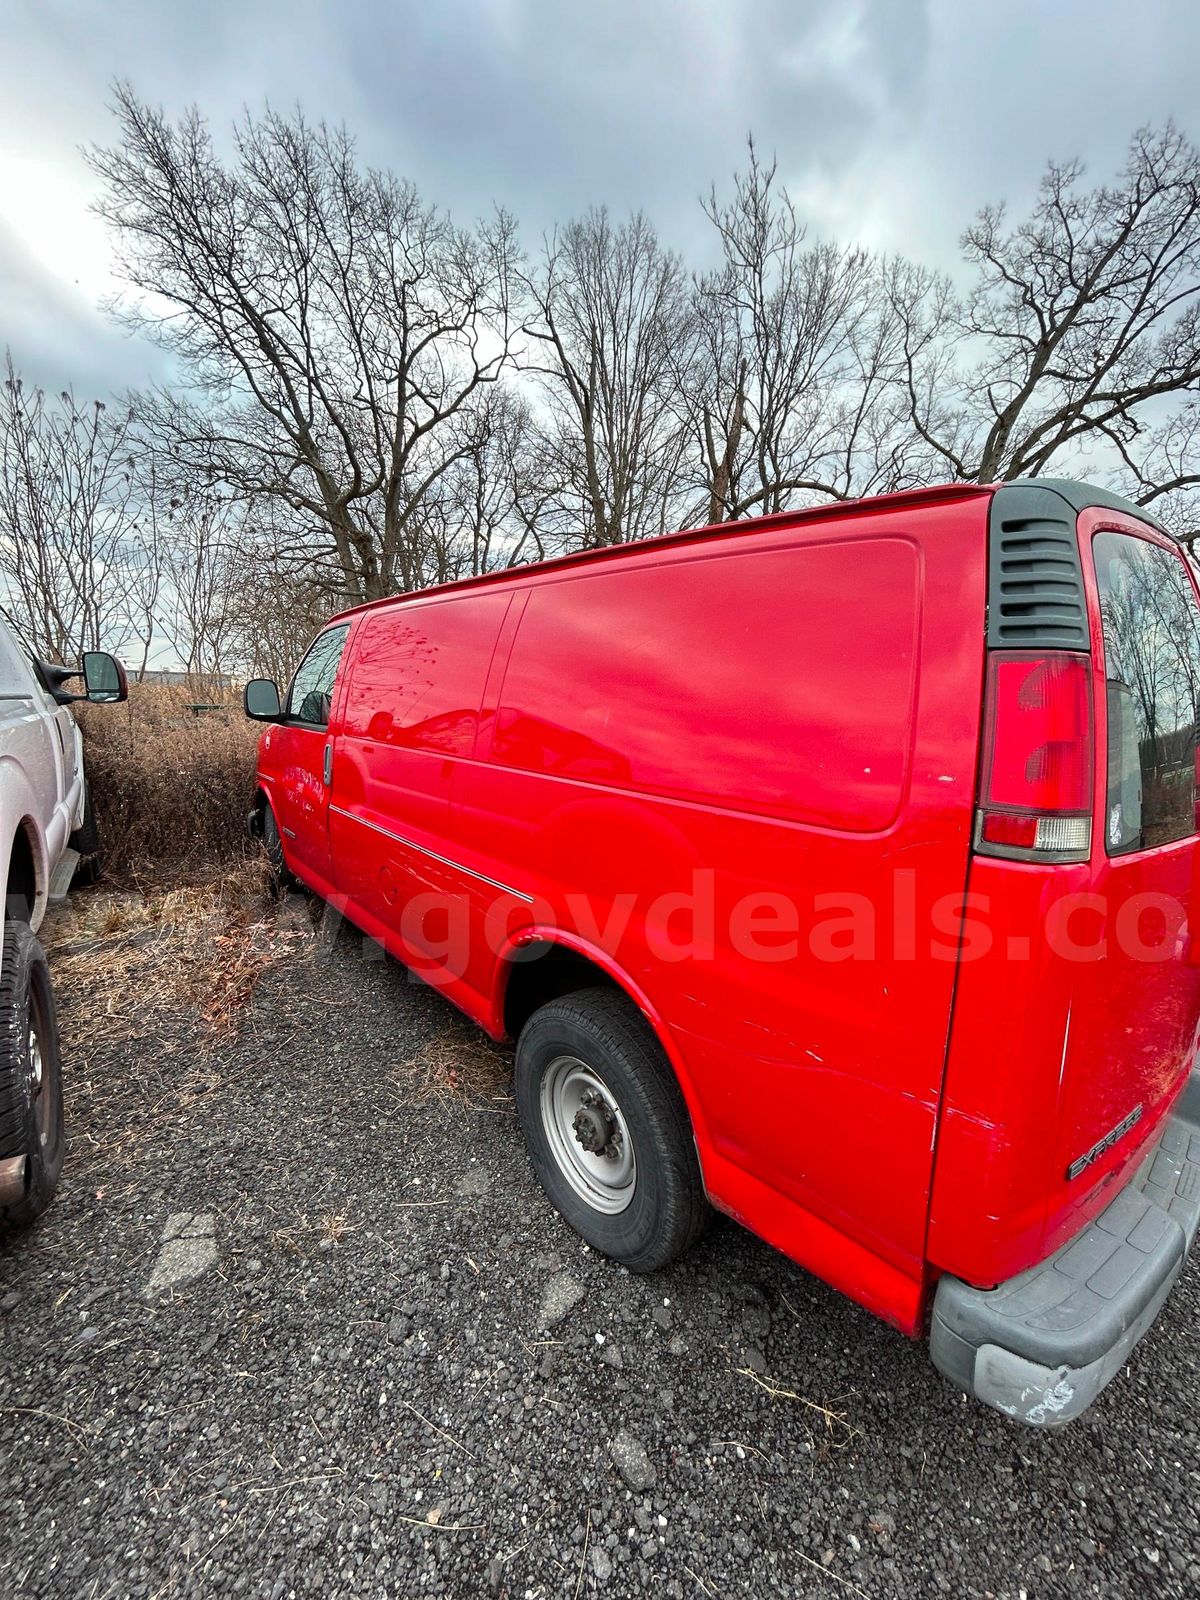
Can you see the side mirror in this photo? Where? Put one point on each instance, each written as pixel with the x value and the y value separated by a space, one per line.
pixel 54 680
pixel 104 678
pixel 261 700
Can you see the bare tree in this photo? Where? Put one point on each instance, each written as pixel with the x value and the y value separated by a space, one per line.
pixel 1162 469
pixel 1082 322
pixel 146 603
pixel 68 533
pixel 353 422
pixel 613 316
pixel 792 388
pixel 206 561
pixel 274 604
pixel 337 332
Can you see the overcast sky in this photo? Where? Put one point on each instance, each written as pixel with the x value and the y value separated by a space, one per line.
pixel 893 120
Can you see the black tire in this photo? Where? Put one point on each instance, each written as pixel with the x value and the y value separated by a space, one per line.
pixel 86 837
pixel 31 1113
pixel 606 1033
pixel 273 845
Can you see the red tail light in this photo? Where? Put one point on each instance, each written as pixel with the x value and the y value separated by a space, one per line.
pixel 1035 799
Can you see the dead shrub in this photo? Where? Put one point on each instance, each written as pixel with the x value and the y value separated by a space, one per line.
pixel 170 789
pixel 187 958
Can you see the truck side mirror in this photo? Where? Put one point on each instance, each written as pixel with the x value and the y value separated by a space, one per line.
pixel 261 700
pixel 104 678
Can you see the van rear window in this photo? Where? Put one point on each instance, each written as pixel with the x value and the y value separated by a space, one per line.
pixel 1152 664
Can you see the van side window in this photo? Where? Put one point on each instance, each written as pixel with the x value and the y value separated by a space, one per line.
pixel 310 699
pixel 419 671
pixel 1152 663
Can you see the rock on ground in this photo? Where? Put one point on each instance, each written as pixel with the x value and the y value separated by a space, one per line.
pixel 631 1461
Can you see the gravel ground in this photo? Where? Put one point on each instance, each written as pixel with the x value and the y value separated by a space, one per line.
pixel 396 1372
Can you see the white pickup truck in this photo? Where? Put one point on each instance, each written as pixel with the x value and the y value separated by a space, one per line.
pixel 46 823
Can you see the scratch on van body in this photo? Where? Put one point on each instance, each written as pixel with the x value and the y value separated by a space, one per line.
pixel 1062 1066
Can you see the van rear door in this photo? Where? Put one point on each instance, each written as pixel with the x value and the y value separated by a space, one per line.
pixel 1076 1019
pixel 1134 1020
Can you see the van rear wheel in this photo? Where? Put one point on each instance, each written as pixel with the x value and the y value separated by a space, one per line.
pixel 607 1129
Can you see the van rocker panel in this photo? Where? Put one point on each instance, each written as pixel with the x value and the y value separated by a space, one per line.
pixel 1042 1346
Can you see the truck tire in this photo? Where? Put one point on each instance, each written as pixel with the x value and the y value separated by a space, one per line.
pixel 31 1104
pixel 86 837
pixel 273 845
pixel 607 1129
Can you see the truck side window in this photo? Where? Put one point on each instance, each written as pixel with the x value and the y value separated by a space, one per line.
pixel 310 698
pixel 16 680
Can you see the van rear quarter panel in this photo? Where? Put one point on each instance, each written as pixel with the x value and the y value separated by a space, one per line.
pixel 780 730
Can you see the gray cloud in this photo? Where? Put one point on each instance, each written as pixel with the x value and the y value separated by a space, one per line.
pixel 892 119
pixel 58 338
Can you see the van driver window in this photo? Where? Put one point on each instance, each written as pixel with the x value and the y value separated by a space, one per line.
pixel 311 697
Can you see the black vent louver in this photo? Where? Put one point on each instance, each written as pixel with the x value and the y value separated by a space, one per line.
pixel 1035 584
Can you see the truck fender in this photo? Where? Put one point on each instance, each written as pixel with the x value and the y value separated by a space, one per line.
pixel 18 814
pixel 537 934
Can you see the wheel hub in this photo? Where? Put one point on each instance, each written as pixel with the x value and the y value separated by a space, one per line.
pixel 596 1127
pixel 587 1134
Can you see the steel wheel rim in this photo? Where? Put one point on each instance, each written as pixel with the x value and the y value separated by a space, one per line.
pixel 40 1099
pixel 571 1090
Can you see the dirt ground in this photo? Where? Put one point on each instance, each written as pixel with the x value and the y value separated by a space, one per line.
pixel 301 1323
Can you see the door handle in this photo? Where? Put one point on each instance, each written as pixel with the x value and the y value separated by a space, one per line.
pixel 328 766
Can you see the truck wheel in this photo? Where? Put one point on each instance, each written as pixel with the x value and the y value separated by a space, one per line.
pixel 273 845
pixel 31 1105
pixel 608 1130
pixel 86 839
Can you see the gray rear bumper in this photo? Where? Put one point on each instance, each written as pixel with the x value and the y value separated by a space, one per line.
pixel 1043 1345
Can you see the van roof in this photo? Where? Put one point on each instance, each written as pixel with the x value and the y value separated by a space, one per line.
pixel 1078 495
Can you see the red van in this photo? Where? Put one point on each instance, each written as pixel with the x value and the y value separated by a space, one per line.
pixel 833 869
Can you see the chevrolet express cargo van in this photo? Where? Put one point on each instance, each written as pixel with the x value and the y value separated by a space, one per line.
pixel 835 869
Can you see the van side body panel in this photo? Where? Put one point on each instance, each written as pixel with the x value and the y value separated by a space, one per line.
pixel 754 814
pixel 738 770
pixel 806 785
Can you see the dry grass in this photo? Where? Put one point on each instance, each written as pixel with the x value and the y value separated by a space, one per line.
pixel 169 788
pixel 335 1225
pixel 189 954
pixel 838 1431
pixel 460 1065
pixel 151 985
pixel 307 1235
